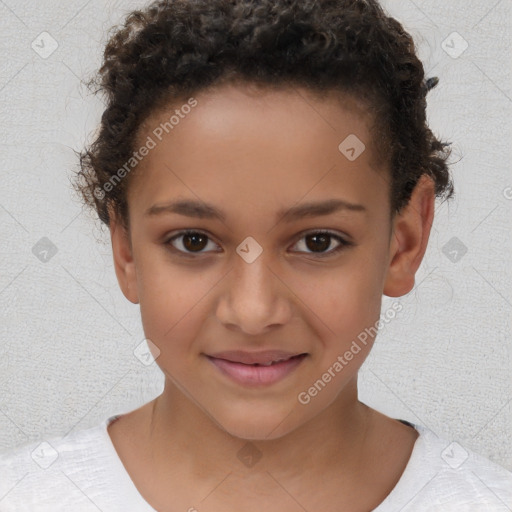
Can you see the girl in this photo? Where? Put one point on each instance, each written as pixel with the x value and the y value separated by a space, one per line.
pixel 237 136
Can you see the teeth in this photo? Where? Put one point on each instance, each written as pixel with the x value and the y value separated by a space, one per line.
pixel 271 362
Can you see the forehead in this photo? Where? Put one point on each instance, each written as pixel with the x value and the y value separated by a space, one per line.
pixel 246 142
pixel 254 108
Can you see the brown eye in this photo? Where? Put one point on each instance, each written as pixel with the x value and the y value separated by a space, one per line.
pixel 191 242
pixel 317 242
pixel 194 241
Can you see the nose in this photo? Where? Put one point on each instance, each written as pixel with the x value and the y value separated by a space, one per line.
pixel 254 298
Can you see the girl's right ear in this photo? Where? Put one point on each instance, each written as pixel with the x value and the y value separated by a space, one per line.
pixel 123 258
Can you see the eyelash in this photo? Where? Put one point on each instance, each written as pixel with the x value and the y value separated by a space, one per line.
pixel 343 243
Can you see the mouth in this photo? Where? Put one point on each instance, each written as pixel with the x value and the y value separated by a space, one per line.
pixel 254 369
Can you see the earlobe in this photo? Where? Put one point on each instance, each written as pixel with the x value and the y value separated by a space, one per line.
pixel 410 236
pixel 123 259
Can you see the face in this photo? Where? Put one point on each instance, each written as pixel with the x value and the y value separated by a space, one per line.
pixel 246 277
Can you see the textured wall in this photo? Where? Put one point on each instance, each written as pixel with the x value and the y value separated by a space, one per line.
pixel 67 332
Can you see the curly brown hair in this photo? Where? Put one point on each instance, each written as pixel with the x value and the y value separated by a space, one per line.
pixel 173 49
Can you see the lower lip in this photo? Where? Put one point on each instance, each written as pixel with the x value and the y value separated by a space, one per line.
pixel 250 375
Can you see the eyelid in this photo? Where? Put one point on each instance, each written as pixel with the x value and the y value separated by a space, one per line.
pixel 326 231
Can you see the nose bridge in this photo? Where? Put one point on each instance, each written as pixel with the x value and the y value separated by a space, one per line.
pixel 252 280
pixel 253 299
pixel 251 274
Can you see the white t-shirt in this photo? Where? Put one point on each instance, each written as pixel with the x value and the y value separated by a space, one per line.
pixel 82 472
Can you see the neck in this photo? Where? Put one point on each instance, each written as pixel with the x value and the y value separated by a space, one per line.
pixel 182 435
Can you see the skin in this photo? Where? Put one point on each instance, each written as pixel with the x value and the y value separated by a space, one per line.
pixel 251 153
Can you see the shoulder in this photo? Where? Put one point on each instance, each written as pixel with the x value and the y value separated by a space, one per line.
pixel 445 476
pixel 67 470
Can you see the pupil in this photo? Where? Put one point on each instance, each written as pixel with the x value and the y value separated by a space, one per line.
pixel 323 238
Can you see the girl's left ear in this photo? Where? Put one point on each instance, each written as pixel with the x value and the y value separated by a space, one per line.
pixel 411 231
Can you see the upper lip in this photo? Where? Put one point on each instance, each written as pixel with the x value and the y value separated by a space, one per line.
pixel 266 356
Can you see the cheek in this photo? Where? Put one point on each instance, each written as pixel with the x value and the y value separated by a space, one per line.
pixel 170 297
pixel 344 298
pixel 348 306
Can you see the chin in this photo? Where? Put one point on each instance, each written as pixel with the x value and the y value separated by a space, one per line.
pixel 257 423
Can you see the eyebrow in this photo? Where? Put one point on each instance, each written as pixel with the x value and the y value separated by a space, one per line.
pixel 191 208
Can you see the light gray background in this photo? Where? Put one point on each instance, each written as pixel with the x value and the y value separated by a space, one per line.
pixel 67 332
